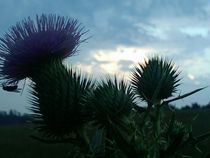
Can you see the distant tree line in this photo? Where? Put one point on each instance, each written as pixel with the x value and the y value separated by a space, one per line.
pixel 12 117
pixel 15 117
pixel 195 105
pixel 192 106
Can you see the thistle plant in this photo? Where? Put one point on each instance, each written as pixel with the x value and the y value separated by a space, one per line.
pixel 30 43
pixel 111 102
pixel 56 97
pixel 101 119
pixel 155 80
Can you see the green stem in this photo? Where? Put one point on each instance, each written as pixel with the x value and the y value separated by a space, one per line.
pixel 85 142
pixel 148 110
pixel 157 121
pixel 108 143
pixel 157 129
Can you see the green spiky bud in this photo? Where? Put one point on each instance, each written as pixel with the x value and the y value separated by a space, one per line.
pixel 111 101
pixel 155 80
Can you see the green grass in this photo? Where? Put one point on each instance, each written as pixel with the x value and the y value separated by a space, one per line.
pixel 16 143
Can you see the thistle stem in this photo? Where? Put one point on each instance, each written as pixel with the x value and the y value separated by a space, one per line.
pixel 148 110
pixel 108 143
pixel 82 135
pixel 157 129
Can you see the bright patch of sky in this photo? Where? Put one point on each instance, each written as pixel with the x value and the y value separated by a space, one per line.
pixel 191 77
pixel 117 61
pixel 196 31
pixel 123 54
pixel 157 32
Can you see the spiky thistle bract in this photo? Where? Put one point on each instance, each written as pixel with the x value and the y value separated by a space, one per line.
pixel 111 101
pixel 155 80
pixel 30 43
pixel 56 100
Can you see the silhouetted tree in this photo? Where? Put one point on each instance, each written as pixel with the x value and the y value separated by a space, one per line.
pixel 207 106
pixel 187 107
pixel 195 106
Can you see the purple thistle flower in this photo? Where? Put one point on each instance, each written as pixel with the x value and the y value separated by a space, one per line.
pixel 29 44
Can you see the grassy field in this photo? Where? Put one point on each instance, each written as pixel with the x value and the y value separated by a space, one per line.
pixel 16 143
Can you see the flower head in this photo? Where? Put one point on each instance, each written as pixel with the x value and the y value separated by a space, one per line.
pixel 30 43
pixel 155 80
pixel 111 100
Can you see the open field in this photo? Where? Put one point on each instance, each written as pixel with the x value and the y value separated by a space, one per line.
pixel 15 141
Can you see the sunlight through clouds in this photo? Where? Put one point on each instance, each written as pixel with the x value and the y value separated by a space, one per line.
pixel 123 53
pixel 191 77
pixel 110 61
pixel 86 68
pixel 110 68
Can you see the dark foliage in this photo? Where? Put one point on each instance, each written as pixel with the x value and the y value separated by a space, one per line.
pixel 56 100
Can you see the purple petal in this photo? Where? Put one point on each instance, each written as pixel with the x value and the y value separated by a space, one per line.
pixel 31 43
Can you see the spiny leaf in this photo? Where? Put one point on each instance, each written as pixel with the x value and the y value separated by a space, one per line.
pixel 183 96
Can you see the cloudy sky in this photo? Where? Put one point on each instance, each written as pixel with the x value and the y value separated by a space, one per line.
pixel 125 32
